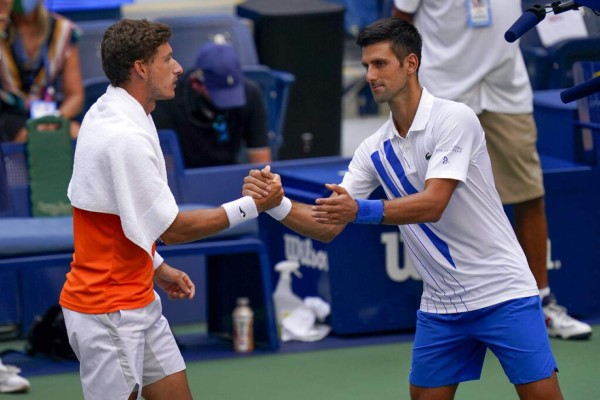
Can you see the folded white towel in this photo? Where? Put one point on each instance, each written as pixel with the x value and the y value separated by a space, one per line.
pixel 119 168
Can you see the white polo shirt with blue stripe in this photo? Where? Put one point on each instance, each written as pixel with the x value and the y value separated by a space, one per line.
pixel 470 258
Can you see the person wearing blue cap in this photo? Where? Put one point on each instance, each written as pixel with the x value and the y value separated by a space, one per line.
pixel 216 111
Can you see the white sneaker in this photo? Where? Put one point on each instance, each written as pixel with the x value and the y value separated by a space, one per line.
pixel 560 324
pixel 11 381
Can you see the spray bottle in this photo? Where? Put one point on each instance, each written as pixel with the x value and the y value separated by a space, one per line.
pixel 285 300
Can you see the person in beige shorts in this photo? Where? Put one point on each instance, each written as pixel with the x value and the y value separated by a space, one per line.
pixel 468 60
pixel 511 141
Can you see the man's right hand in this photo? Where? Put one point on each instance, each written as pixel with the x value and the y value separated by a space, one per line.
pixel 264 187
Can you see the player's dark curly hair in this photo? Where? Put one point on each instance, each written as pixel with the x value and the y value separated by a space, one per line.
pixel 128 41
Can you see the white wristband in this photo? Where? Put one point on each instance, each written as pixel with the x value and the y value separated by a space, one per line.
pixel 158 260
pixel 240 210
pixel 282 210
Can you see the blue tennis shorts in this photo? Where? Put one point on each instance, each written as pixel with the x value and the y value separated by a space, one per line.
pixel 450 348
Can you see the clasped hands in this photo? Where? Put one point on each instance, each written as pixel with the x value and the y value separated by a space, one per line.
pixel 262 185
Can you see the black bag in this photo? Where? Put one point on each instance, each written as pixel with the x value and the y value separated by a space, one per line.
pixel 48 335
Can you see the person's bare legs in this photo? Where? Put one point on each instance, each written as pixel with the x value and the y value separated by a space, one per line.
pixel 74 129
pixel 532 232
pixel 172 387
pixel 544 389
pixel 21 136
pixel 438 393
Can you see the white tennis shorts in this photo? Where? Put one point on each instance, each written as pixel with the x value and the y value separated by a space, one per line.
pixel 122 351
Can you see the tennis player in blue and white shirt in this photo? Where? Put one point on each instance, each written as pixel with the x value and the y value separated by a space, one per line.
pixel 470 257
pixel 431 159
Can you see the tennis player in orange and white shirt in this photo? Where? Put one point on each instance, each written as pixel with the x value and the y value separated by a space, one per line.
pixel 121 205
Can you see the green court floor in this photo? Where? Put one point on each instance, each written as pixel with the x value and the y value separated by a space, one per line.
pixel 374 372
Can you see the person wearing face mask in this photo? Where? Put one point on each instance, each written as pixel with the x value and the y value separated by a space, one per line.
pixel 39 67
pixel 215 111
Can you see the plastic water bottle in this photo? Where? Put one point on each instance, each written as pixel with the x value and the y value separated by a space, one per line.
pixel 243 326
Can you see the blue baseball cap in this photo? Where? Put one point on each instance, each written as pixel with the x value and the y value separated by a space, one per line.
pixel 223 76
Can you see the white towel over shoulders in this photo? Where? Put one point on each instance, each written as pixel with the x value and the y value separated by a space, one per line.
pixel 119 168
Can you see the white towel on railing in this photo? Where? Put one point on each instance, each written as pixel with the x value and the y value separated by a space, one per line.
pixel 119 168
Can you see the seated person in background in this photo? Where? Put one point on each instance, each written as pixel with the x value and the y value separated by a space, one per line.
pixel 39 61
pixel 215 110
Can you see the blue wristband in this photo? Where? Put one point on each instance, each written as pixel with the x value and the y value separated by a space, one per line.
pixel 369 211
